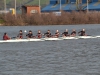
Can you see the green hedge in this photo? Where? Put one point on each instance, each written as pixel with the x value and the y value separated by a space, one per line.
pixel 1 21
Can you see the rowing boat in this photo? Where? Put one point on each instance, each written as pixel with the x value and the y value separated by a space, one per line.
pixel 20 40
pixel 86 37
pixel 48 39
pixel 98 36
pixel 52 39
pixel 66 38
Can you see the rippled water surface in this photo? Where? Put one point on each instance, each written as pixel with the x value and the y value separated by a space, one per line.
pixel 63 57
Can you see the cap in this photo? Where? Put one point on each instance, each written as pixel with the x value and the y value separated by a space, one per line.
pixel 30 31
pixel 20 31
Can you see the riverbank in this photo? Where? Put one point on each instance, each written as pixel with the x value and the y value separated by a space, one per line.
pixel 0 24
pixel 65 18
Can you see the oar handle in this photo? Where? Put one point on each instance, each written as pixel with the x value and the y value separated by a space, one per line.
pixel 13 37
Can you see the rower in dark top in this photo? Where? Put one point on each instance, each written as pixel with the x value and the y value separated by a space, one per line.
pixel 47 34
pixel 6 37
pixel 65 34
pixel 73 33
pixel 30 34
pixel 57 34
pixel 82 33
pixel 39 34
pixel 20 35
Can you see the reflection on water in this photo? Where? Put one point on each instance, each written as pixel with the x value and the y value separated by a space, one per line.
pixel 64 57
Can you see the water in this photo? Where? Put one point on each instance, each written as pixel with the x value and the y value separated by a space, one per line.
pixel 64 57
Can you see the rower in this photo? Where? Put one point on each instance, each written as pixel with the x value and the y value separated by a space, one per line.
pixel 57 34
pixel 82 33
pixel 39 34
pixel 65 34
pixel 30 34
pixel 6 37
pixel 73 33
pixel 47 34
pixel 20 35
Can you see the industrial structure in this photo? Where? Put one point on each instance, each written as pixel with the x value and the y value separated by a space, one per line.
pixel 30 9
pixel 72 5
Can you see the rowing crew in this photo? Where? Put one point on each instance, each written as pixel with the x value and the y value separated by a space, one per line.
pixel 47 34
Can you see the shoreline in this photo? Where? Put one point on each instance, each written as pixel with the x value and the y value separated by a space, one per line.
pixel 51 25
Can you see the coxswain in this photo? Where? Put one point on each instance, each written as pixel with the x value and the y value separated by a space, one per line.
pixel 73 33
pixel 30 34
pixel 65 34
pixel 57 34
pixel 47 34
pixel 6 37
pixel 39 34
pixel 82 33
pixel 20 35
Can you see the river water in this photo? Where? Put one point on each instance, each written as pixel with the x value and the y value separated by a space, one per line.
pixel 63 57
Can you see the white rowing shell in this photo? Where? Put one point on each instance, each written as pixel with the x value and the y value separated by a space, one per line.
pixel 20 40
pixel 86 37
pixel 48 39
pixel 35 39
pixel 52 39
pixel 65 38
pixel 98 36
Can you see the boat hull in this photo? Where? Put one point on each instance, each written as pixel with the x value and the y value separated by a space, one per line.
pixel 48 39
pixel 20 40
pixel 86 37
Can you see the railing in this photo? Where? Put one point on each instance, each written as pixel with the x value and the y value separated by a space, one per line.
pixel 3 12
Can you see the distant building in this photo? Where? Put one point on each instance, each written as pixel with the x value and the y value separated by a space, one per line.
pixel 72 5
pixel 30 9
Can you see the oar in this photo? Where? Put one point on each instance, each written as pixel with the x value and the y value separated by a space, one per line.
pixel 13 37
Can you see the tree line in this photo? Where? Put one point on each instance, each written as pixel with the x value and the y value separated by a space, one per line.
pixel 66 18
